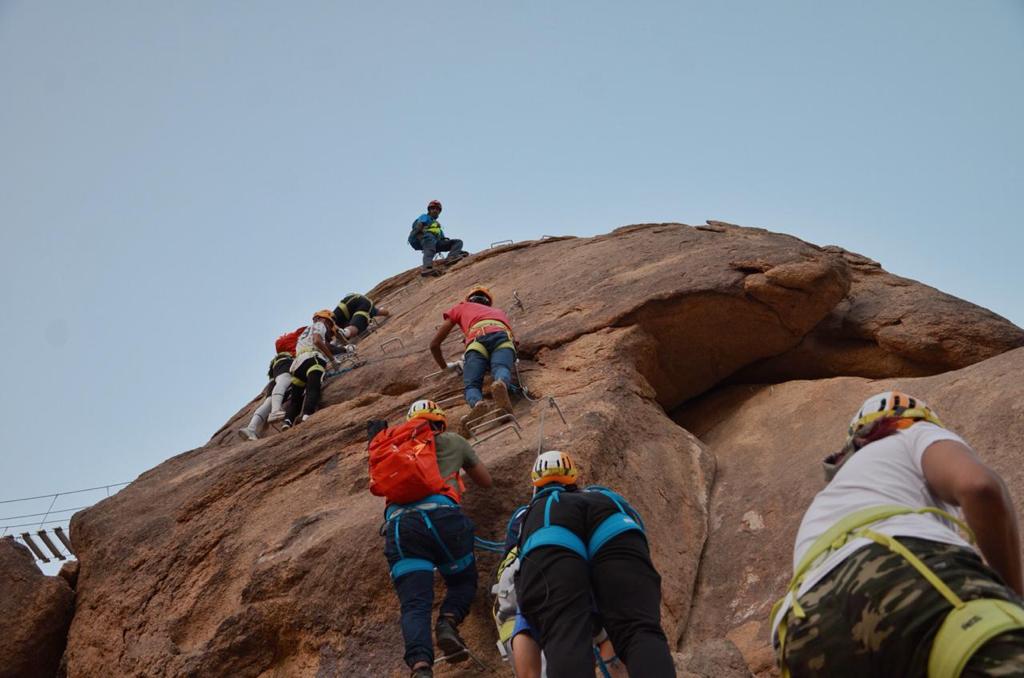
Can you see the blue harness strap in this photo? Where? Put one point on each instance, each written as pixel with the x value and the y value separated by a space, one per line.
pixel 394 513
pixel 555 535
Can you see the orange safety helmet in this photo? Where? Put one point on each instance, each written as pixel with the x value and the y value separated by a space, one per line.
pixel 324 314
pixel 480 291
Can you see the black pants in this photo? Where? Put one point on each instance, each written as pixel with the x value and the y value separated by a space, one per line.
pixel 559 593
pixel 311 372
pixel 416 589
pixel 355 309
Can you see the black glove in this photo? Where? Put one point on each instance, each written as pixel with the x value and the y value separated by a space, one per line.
pixel 373 427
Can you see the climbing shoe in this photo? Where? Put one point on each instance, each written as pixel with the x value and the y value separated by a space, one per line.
pixel 499 392
pixel 449 260
pixel 247 434
pixel 449 641
pixel 479 411
pixel 431 273
pixel 422 672
pixel 286 424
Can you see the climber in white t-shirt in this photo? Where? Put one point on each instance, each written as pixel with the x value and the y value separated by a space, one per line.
pixel 312 357
pixel 886 582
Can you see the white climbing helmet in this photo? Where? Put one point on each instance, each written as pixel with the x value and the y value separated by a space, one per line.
pixel 553 467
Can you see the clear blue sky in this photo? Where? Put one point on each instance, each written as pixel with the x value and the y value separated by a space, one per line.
pixel 181 182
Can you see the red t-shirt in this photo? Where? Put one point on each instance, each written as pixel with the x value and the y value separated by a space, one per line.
pixel 467 314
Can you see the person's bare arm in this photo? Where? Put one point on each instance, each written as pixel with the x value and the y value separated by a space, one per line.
pixel 480 475
pixel 435 343
pixel 957 476
pixel 324 348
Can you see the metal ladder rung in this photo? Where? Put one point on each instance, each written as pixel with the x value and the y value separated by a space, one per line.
pixel 489 424
pixel 450 400
pixel 498 432
pixel 392 340
pixel 499 243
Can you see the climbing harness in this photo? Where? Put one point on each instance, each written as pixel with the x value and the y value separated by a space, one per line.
pixel 967 626
pixel 393 514
pixel 624 520
pixel 479 329
pixel 487 545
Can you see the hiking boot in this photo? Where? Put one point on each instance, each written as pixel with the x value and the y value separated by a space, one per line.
pixel 431 273
pixel 422 672
pixel 276 416
pixel 449 260
pixel 499 392
pixel 247 434
pixel 449 641
pixel 479 411
pixel 286 424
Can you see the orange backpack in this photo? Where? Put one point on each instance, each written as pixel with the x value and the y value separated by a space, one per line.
pixel 287 341
pixel 403 464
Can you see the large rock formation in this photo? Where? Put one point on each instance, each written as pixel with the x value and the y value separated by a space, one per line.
pixel 769 441
pixel 252 559
pixel 35 612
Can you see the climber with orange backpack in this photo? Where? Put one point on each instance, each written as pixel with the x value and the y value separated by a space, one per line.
pixel 581 550
pixel 415 466
pixel 272 407
pixel 883 583
pixel 489 346
pixel 312 358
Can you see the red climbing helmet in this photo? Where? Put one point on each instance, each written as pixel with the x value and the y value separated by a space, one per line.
pixel 434 203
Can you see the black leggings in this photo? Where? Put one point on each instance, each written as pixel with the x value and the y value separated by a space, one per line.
pixel 355 309
pixel 311 390
pixel 558 591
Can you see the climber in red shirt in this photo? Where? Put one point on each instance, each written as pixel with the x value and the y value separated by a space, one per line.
pixel 489 345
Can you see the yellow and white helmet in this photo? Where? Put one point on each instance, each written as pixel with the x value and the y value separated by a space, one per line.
pixel 553 467
pixel 897 408
pixel 890 404
pixel 429 410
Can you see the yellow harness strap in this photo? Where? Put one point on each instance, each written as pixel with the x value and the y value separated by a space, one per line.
pixel 506 627
pixel 966 628
pixel 475 345
pixel 365 314
pixel 343 307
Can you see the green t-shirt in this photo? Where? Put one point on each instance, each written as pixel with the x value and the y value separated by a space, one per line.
pixel 454 453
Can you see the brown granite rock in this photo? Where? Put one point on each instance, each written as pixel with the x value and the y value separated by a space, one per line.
pixel 890 326
pixel 769 442
pixel 252 559
pixel 35 612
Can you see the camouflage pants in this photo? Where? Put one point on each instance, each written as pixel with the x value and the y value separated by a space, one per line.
pixel 875 615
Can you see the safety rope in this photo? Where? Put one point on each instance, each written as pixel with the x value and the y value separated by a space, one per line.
pixel 487 545
pixel 522 385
